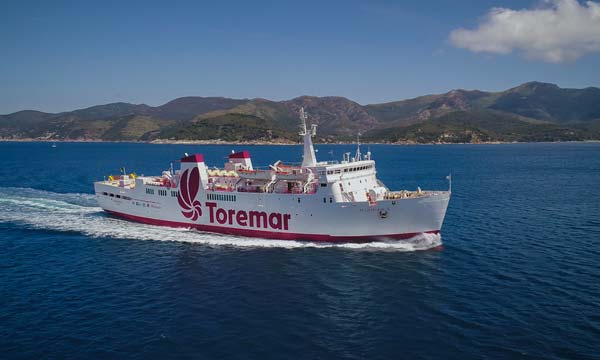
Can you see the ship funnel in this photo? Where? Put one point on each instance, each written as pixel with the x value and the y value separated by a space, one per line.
pixel 241 157
pixel 189 162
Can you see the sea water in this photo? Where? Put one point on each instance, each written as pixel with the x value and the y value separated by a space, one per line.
pixel 514 273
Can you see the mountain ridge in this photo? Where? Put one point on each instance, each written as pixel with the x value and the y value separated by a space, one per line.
pixel 532 109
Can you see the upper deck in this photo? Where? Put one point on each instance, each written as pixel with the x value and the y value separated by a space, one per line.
pixel 353 179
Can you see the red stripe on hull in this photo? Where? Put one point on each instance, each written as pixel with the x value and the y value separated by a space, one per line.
pixel 266 234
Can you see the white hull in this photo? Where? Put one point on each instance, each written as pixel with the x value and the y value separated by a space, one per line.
pixel 310 219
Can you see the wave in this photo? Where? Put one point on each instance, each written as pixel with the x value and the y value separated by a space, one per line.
pixel 44 210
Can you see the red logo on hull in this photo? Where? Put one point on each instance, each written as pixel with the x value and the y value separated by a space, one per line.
pixel 192 208
pixel 188 189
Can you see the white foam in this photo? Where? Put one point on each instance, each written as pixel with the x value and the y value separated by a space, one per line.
pixel 79 213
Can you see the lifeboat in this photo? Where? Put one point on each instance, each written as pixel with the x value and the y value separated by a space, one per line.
pixel 292 173
pixel 295 175
pixel 256 174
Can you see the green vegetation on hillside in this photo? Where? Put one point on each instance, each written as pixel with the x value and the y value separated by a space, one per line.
pixel 230 127
pixel 529 112
pixel 133 128
pixel 475 127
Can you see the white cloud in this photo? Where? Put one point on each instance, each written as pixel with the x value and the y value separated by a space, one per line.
pixel 559 31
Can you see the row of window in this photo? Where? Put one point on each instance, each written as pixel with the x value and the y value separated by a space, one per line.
pixel 221 197
pixel 162 192
pixel 358 168
pixel 116 195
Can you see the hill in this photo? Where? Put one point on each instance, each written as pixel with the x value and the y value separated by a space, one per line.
pixel 532 111
pixel 477 127
pixel 230 128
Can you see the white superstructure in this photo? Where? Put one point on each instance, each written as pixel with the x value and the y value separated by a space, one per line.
pixel 315 201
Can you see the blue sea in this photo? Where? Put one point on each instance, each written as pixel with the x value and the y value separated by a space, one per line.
pixel 515 273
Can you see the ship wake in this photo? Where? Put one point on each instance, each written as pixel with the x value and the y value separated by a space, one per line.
pixel 79 213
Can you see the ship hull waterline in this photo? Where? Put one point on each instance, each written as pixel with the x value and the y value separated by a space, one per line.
pixel 272 235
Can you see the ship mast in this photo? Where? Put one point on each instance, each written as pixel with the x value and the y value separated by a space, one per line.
pixel 308 158
pixel 358 153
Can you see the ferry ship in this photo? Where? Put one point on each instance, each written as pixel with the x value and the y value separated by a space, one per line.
pixel 326 201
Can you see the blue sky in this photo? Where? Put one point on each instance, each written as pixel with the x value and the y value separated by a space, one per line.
pixel 58 55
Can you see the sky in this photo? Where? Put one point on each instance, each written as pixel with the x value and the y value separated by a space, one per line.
pixel 63 55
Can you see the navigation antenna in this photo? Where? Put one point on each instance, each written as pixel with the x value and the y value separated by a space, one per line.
pixel 303 123
pixel 358 154
pixel 309 158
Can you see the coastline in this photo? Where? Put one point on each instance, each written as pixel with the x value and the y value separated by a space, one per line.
pixel 221 142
